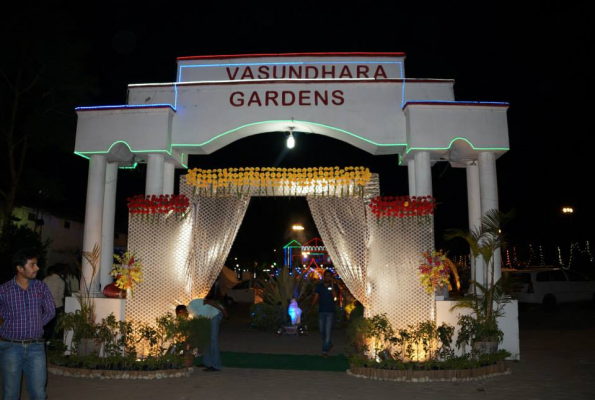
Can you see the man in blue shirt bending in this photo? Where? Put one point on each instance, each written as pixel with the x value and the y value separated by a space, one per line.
pixel 326 294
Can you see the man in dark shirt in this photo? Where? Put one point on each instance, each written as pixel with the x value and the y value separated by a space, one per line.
pixel 326 294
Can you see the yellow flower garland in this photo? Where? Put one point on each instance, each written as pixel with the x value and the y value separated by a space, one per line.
pixel 127 270
pixel 224 182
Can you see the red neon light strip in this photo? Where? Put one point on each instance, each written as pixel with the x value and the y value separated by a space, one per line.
pixel 339 54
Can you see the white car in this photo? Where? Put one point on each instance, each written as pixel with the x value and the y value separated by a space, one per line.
pixel 244 292
pixel 550 286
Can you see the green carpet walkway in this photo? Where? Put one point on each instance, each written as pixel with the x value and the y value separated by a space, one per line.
pixel 282 361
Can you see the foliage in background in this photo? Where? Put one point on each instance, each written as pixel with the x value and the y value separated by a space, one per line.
pixel 13 238
pixel 280 289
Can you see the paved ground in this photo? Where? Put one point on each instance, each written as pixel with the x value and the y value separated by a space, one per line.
pixel 557 352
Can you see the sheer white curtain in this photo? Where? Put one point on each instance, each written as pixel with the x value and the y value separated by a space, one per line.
pixel 216 222
pixel 343 228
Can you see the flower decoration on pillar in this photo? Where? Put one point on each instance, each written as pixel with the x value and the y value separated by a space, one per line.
pixel 317 181
pixel 435 271
pixel 393 208
pixel 128 271
pixel 156 208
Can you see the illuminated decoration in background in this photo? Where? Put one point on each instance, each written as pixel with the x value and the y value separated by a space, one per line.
pixel 292 255
pixel 531 254
pixel 297 228
pixel 315 251
pixel 321 181
pixel 514 257
pixel 153 207
pixel 295 312
pixel 541 257
pixel 508 258
pixel 588 250
pixel 392 208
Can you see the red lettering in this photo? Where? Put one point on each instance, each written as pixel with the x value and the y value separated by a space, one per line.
pixel 284 98
pixel 338 99
pixel 319 98
pixel 380 73
pixel 230 76
pixel 263 72
pixel 247 73
pixel 362 71
pixel 237 99
pixel 270 97
pixel 254 98
pixel 282 75
pixel 295 72
pixel 305 98
pixel 325 72
pixel 345 72
pixel 313 70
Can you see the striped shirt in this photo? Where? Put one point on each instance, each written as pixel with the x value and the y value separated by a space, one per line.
pixel 25 312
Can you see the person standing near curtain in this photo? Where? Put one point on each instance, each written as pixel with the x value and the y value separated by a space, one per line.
pixel 326 294
pixel 211 357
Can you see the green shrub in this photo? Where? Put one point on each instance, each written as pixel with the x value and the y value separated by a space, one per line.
pixel 267 317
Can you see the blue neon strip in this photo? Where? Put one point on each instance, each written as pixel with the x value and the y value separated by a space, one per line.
pixel 126 106
pixel 502 103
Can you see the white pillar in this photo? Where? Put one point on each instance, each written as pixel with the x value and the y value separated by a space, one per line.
pixel 169 173
pixel 489 196
pixel 423 174
pixel 411 171
pixel 93 219
pixel 474 206
pixel 109 216
pixel 154 182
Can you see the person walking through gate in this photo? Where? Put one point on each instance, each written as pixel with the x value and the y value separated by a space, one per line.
pixel 26 305
pixel 326 294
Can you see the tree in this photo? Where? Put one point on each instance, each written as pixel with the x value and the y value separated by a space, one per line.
pixel 41 79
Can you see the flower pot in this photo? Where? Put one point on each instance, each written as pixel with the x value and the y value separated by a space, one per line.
pixel 188 360
pixel 486 347
pixel 87 347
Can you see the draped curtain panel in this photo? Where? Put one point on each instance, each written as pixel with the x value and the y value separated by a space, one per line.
pixel 393 284
pixel 342 225
pixel 216 222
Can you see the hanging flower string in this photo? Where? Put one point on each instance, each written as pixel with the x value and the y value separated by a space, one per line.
pixel 152 207
pixel 435 271
pixel 397 207
pixel 127 270
pixel 318 181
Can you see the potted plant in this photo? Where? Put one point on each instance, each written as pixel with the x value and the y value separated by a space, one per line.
pixel 188 336
pixel 487 299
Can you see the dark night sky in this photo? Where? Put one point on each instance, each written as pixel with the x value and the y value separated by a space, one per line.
pixel 533 56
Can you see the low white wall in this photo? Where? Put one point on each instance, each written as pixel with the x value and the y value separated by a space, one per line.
pixel 509 324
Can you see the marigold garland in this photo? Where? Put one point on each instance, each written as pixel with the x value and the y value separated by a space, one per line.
pixel 323 181
pixel 127 270
pixel 435 271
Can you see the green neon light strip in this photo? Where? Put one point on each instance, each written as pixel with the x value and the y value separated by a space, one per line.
pixel 293 241
pixel 84 153
pixel 291 122
pixel 454 140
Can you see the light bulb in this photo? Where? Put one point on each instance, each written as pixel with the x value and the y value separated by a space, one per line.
pixel 290 141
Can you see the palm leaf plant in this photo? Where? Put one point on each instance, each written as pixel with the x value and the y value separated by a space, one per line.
pixel 488 299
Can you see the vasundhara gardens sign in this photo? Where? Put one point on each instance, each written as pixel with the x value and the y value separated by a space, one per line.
pixel 286 98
